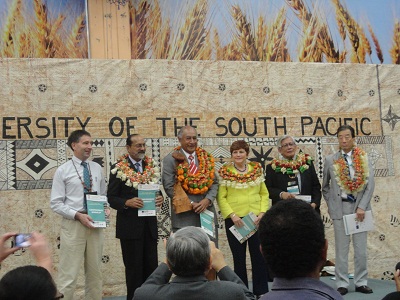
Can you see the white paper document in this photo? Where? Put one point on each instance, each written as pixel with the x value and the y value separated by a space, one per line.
pixel 306 198
pixel 352 225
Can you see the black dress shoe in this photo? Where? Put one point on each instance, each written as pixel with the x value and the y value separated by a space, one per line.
pixel 364 289
pixel 342 291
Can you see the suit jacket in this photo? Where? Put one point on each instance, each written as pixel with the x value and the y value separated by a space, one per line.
pixel 277 182
pixel 333 194
pixel 189 218
pixel 129 225
pixel 157 286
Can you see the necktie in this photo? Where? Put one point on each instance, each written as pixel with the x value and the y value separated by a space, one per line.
pixel 138 167
pixel 192 165
pixel 86 177
pixel 350 197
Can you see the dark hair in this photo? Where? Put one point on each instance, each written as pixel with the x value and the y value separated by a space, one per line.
pixel 392 296
pixel 75 136
pixel 292 238
pixel 27 282
pixel 241 144
pixel 188 252
pixel 129 139
pixel 345 127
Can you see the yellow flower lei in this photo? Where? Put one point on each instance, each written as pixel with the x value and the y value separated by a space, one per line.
pixel 231 178
pixel 361 172
pixel 151 174
pixel 200 182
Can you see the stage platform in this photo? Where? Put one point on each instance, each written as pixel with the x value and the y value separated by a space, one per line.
pixel 380 287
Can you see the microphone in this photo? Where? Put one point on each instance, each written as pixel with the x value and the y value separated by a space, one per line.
pixel 397 266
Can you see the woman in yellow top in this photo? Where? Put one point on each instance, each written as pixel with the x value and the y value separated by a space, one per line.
pixel 242 190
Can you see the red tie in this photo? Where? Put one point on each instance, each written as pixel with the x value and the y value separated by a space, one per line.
pixel 192 165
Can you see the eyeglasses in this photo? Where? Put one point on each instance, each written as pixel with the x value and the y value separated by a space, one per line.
pixel 288 145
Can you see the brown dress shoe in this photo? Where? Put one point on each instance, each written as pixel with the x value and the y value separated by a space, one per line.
pixel 364 289
pixel 342 291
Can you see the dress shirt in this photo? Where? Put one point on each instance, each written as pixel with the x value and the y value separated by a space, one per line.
pixel 301 288
pixel 134 162
pixel 349 160
pixel 67 195
pixel 193 154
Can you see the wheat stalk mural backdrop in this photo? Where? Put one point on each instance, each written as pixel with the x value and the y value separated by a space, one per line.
pixel 333 31
pixel 299 30
pixel 43 29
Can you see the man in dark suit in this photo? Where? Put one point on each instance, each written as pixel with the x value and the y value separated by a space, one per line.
pixel 293 176
pixel 202 186
pixel 138 235
pixel 190 256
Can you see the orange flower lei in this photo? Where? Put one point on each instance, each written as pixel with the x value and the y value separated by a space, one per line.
pixel 231 178
pixel 361 172
pixel 200 182
pixel 150 174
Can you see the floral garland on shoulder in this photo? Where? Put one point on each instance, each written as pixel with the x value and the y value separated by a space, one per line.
pixel 300 164
pixel 151 173
pixel 229 177
pixel 200 182
pixel 361 171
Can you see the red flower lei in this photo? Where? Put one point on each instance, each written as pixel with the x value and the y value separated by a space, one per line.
pixel 200 182
pixel 230 177
pixel 361 172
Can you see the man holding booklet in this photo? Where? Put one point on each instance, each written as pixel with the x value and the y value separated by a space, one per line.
pixel 135 173
pixel 243 200
pixel 292 176
pixel 347 187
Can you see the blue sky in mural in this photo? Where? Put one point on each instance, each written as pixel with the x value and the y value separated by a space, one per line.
pixel 381 14
pixel 69 8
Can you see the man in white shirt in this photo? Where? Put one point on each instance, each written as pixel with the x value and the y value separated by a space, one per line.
pixel 80 240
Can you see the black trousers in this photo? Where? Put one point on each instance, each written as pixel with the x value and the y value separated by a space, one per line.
pixel 258 266
pixel 140 260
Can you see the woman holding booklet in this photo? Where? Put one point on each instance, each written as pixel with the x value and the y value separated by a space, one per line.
pixel 243 199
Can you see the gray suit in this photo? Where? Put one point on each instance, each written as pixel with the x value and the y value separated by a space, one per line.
pixel 159 286
pixel 189 218
pixel 337 208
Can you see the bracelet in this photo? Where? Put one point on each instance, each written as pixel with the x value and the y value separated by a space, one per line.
pixel 280 195
pixel 232 215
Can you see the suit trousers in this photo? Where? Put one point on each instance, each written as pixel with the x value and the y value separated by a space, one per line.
pixel 342 246
pixel 258 266
pixel 80 244
pixel 140 259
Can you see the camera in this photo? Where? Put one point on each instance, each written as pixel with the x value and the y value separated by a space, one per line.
pixel 22 240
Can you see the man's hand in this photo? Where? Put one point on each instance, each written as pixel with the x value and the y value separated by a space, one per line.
pixel 84 219
pixel 159 200
pixel 217 258
pixel 201 206
pixel 6 251
pixel 134 202
pixel 313 205
pixel 360 214
pixel 287 195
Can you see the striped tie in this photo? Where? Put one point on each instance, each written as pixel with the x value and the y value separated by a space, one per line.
pixel 192 165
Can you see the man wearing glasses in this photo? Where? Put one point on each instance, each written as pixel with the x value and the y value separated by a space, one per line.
pixel 137 234
pixel 292 175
